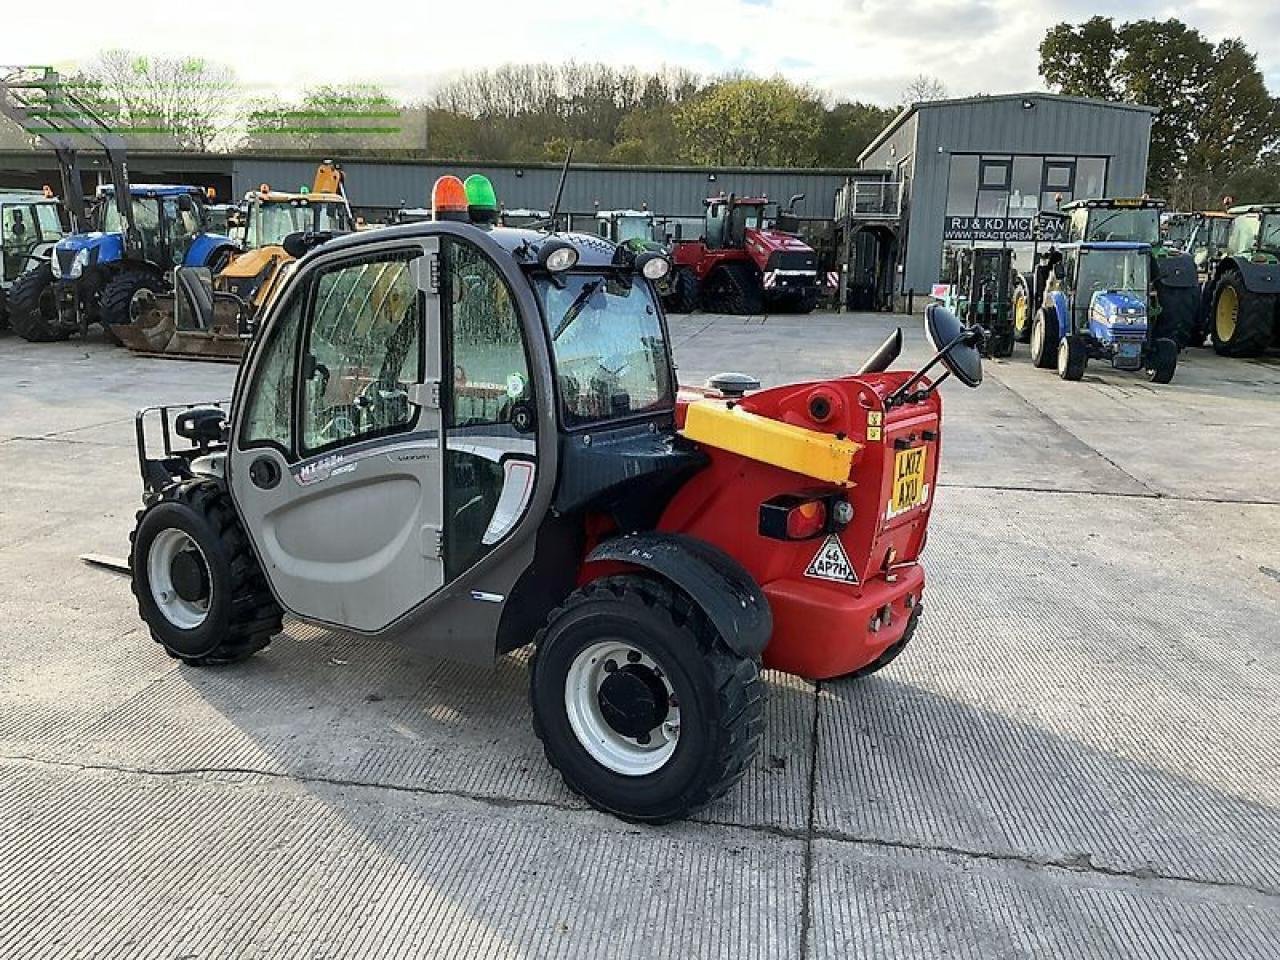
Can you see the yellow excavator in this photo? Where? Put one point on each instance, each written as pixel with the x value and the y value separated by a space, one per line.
pixel 212 312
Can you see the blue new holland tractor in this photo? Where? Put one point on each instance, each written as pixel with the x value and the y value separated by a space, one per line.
pixel 1097 306
pixel 94 274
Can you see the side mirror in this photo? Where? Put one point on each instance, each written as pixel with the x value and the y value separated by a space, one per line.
pixel 957 345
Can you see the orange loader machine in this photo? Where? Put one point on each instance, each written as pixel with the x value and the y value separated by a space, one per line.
pixel 211 312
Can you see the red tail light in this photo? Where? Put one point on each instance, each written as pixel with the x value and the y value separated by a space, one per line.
pixel 793 517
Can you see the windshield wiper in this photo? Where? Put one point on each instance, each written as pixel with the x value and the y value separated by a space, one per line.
pixel 575 308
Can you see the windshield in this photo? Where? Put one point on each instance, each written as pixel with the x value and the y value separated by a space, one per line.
pixel 634 228
pixel 1178 230
pixel 270 223
pixel 1126 225
pixel 1114 270
pixel 146 213
pixel 1269 236
pixel 609 347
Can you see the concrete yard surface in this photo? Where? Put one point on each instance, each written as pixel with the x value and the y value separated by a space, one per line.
pixel 1078 756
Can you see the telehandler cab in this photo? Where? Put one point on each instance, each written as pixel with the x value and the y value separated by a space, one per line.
pixel 470 438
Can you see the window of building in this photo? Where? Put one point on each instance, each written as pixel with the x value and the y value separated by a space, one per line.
pixel 962 190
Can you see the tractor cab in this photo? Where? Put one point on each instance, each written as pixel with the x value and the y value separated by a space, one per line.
pixel 30 225
pixel 1101 310
pixel 524 217
pixel 470 438
pixel 621 226
pixel 1174 278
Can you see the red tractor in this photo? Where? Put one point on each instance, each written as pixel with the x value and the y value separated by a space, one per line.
pixel 748 260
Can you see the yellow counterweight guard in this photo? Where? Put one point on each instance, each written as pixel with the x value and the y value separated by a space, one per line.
pixel 806 452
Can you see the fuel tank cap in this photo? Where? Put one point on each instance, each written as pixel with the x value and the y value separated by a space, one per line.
pixel 733 384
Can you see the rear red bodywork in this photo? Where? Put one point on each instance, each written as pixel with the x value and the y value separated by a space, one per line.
pixel 823 629
pixel 760 245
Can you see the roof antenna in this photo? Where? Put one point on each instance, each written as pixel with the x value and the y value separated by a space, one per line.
pixel 564 173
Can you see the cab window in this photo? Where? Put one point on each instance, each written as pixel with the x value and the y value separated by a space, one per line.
pixel 362 351
pixel 268 417
pixel 609 347
pixel 1244 233
pixel 489 414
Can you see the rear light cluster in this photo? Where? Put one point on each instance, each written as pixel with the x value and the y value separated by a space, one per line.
pixel 797 516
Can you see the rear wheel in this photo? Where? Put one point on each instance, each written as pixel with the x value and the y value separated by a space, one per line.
pixel 1072 358
pixel 1162 361
pixel 1243 322
pixel 1022 316
pixel 4 309
pixel 118 294
pixel 1044 339
pixel 33 308
pixel 197 582
pixel 640 704
pixel 892 652
pixel 684 292
pixel 1178 309
pixel 734 289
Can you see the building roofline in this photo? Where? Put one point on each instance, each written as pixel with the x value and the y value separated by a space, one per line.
pixel 912 108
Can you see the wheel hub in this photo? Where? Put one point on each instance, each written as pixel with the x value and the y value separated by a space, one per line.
pixel 622 707
pixel 190 579
pixel 633 700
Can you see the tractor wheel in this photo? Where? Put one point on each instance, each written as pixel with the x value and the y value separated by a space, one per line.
pixel 4 309
pixel 892 652
pixel 33 310
pixel 684 292
pixel 118 294
pixel 1162 361
pixel 807 302
pixel 1072 358
pixel 1204 314
pixel 1022 318
pixel 1044 339
pixel 640 704
pixel 1179 308
pixel 734 289
pixel 197 582
pixel 1000 344
pixel 1242 322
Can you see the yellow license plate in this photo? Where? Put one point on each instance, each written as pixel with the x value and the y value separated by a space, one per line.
pixel 908 479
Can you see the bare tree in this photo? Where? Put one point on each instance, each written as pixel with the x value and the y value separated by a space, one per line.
pixel 922 88
pixel 185 102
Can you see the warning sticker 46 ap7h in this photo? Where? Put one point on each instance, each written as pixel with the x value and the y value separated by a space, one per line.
pixel 831 562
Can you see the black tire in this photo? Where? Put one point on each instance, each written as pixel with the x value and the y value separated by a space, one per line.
pixel 1200 329
pixel 683 297
pixel 1247 330
pixel 1162 360
pixel 241 614
pixel 33 310
pixel 1179 309
pixel 1000 344
pixel 1072 358
pixel 891 652
pixel 806 302
pixel 1044 339
pixel 734 288
pixel 119 293
pixel 719 694
pixel 4 309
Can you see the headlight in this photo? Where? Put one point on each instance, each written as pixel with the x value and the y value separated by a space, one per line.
pixel 79 263
pixel 654 266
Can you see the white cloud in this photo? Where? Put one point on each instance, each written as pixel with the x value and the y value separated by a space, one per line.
pixel 865 49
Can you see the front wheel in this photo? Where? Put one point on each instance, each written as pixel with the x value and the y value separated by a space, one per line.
pixel 683 297
pixel 33 307
pixel 118 294
pixel 197 581
pixel 639 703
pixel 1072 358
pixel 1022 317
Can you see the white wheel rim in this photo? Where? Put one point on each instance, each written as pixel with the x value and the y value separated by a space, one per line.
pixel 165 548
pixel 610 748
pixel 1037 337
pixel 1064 356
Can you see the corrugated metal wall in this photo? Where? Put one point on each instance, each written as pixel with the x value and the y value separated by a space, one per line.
pixel 997 125
pixel 677 193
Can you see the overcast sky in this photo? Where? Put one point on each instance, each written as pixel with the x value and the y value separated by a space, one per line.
pixel 865 49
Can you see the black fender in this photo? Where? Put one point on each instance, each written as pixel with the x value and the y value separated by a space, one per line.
pixel 1257 277
pixel 1175 270
pixel 726 592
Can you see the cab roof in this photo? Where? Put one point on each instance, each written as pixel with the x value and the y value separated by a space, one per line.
pixel 19 195
pixel 154 190
pixel 1255 208
pixel 1116 203
pixel 594 253
pixel 1108 245
pixel 609 214
pixel 280 196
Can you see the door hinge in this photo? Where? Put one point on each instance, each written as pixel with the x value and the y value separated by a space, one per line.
pixel 425 394
pixel 432 541
pixel 433 273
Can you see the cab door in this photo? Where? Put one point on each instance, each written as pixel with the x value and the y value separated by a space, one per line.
pixel 337 462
